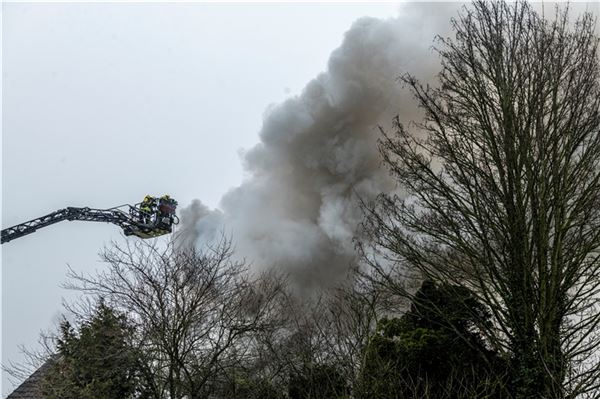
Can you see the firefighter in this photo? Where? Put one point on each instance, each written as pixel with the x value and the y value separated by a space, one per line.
pixel 147 208
pixel 165 205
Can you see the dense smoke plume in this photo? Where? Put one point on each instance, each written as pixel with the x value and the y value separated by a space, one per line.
pixel 317 154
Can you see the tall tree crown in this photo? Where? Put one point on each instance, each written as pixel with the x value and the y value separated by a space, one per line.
pixel 503 185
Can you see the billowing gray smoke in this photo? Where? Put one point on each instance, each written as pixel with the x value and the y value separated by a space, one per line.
pixel 317 154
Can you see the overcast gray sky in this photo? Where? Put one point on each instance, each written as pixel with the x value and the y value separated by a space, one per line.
pixel 103 104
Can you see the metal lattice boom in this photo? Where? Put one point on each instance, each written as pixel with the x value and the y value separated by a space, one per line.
pixel 133 222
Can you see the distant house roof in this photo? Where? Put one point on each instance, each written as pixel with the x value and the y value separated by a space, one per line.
pixel 31 388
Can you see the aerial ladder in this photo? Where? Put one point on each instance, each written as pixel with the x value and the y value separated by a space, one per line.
pixel 151 218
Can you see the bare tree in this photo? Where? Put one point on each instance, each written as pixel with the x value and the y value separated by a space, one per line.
pixel 345 318
pixel 192 310
pixel 503 189
pixel 314 345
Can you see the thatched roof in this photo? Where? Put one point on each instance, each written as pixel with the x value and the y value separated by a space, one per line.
pixel 31 388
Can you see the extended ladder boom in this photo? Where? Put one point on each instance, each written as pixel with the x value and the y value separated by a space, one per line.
pixel 114 216
pixel 144 223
